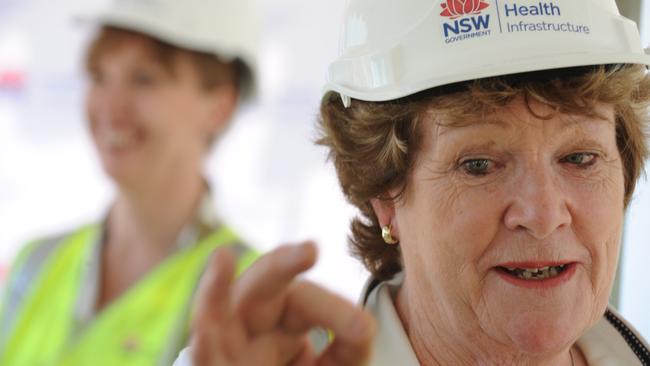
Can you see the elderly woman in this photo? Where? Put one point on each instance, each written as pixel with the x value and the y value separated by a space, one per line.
pixel 165 79
pixel 491 153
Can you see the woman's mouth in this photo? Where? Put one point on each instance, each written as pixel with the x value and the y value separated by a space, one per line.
pixel 536 274
pixel 119 139
pixel 542 275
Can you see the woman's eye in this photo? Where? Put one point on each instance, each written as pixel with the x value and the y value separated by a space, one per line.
pixel 477 167
pixel 581 160
pixel 143 79
pixel 96 78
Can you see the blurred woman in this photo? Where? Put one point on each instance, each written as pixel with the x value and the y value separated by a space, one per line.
pixel 165 79
pixel 491 149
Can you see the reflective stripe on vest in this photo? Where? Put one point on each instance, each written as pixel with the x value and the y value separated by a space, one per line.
pixel 29 261
pixel 135 329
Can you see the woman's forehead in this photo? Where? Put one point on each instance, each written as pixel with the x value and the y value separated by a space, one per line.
pixel 519 116
pixel 138 47
pixel 517 112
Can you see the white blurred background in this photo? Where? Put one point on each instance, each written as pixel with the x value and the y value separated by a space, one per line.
pixel 270 182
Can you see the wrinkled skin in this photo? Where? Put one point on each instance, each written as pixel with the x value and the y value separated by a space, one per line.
pixel 511 188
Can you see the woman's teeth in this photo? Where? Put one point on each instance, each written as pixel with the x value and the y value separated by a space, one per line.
pixel 119 139
pixel 535 273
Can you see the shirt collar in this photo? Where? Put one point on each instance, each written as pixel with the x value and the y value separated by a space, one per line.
pixel 205 221
pixel 391 345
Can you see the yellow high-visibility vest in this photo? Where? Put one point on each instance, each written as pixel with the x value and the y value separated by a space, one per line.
pixel 133 330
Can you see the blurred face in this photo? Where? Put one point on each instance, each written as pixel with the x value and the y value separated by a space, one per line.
pixel 511 226
pixel 147 122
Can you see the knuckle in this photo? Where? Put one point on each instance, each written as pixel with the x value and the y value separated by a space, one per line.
pixel 243 307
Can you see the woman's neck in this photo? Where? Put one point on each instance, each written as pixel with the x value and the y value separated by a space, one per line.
pixel 436 342
pixel 153 217
pixel 142 230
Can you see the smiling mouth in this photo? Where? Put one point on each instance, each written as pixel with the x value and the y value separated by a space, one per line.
pixel 116 139
pixel 534 274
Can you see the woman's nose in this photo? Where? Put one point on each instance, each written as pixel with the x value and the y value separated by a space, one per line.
pixel 110 101
pixel 538 204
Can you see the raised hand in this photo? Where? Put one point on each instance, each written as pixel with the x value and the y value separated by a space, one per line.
pixel 263 318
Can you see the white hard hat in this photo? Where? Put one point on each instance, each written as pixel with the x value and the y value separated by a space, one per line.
pixel 225 28
pixel 391 49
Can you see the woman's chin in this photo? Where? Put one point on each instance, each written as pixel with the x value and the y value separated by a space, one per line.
pixel 122 173
pixel 542 332
pixel 539 320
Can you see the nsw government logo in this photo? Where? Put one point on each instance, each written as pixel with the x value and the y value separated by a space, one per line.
pixel 465 19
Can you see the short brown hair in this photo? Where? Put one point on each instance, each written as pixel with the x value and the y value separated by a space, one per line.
pixel 374 144
pixel 213 72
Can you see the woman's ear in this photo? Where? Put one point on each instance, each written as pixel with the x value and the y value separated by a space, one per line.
pixel 224 103
pixel 384 208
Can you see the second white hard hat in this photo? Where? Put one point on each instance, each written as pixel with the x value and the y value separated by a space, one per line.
pixel 391 49
pixel 225 28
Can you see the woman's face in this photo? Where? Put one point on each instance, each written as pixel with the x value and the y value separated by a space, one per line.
pixel 510 226
pixel 147 122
